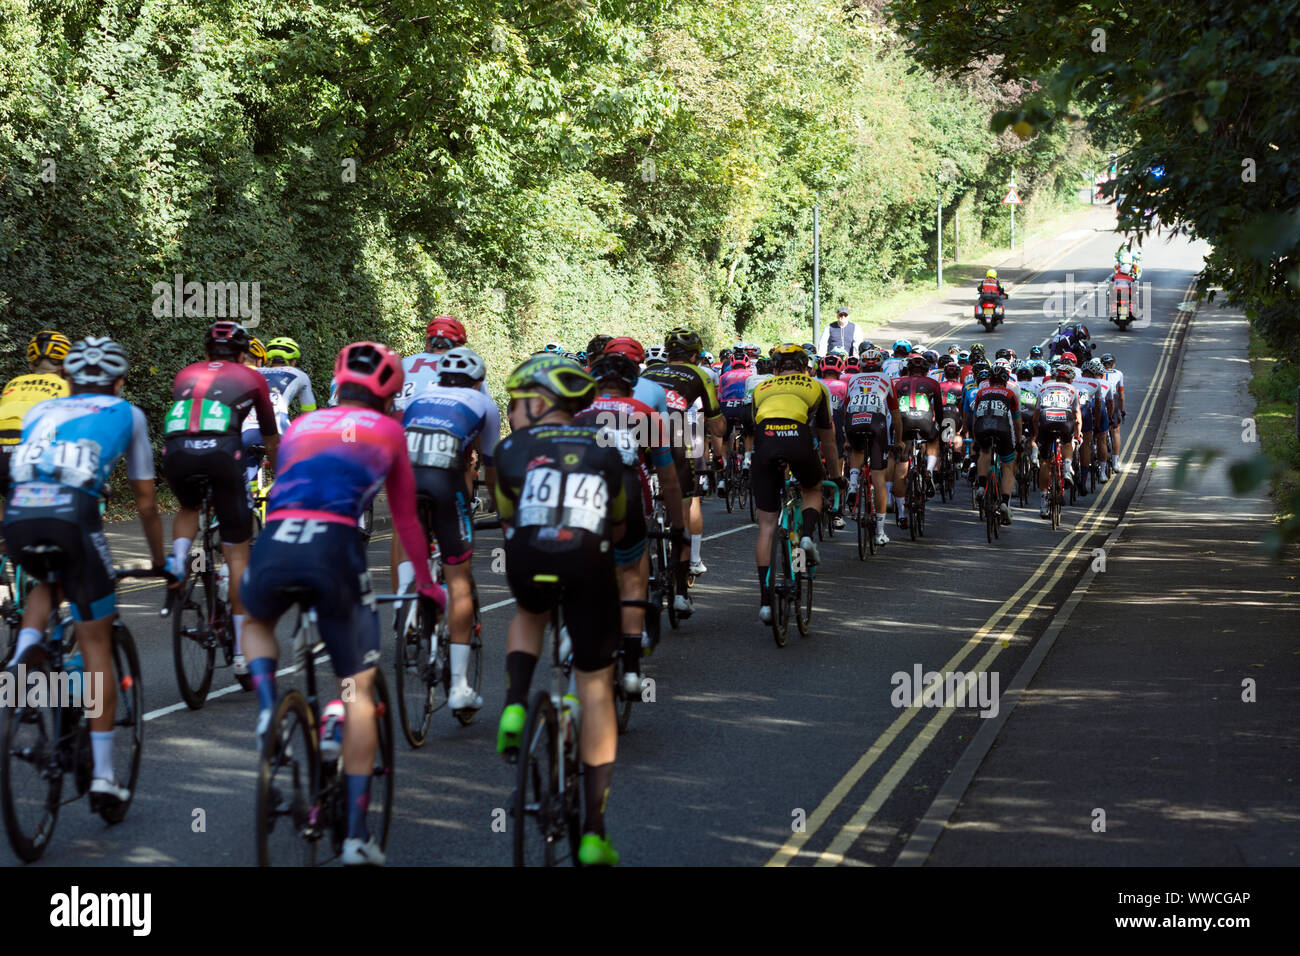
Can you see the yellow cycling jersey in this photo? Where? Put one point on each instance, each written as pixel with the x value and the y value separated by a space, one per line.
pixel 20 395
pixel 799 397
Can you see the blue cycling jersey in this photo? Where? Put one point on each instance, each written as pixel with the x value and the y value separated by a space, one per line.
pixel 461 415
pixel 76 442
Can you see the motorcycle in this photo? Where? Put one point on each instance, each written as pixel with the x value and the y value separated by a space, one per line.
pixel 989 311
pixel 1121 304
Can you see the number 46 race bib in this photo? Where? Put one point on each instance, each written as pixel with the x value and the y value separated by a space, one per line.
pixel 549 500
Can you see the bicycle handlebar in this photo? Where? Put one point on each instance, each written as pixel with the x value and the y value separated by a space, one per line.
pixel 123 574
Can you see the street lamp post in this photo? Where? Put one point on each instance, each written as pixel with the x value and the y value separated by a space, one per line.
pixel 946 173
pixel 817 296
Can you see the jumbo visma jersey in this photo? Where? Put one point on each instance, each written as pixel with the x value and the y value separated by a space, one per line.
pixel 76 442
pixel 20 395
pixel 797 398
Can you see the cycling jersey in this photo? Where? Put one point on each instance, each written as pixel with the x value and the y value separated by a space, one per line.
pixel 443 422
pixel 287 384
pixel 421 371
pixel 752 383
pixel 868 394
pixel 690 382
pixel 731 387
pixel 1092 403
pixel 797 398
pixel 651 394
pixel 893 367
pixel 997 408
pixel 1057 404
pixel 838 389
pixel 214 397
pixel 20 395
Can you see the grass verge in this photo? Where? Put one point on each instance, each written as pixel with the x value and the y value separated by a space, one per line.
pixel 1273 383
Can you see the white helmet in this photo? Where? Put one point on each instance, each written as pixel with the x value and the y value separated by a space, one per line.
pixel 95 360
pixel 462 361
pixel 655 355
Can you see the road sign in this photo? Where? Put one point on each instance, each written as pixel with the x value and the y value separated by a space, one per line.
pixel 1012 198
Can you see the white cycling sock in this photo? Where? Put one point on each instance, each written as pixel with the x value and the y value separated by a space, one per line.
pixel 880 523
pixel 747 454
pixel 239 632
pixel 405 575
pixel 696 541
pixel 181 551
pixel 26 638
pixel 930 462
pixel 459 664
pixel 101 744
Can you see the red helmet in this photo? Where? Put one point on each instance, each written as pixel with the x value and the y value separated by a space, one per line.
pixel 371 365
pixel 833 363
pixel 917 364
pixel 1070 357
pixel 742 362
pixel 873 360
pixel 626 345
pixel 446 327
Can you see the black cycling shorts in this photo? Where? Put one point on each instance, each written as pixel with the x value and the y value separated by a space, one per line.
pixel 995 436
pixel 780 442
pixel 920 424
pixel 739 414
pixel 588 586
pixel 872 438
pixel 632 546
pixel 5 452
pixel 220 459
pixel 1048 432
pixel 686 474
pixel 329 559
pixel 445 512
pixel 44 513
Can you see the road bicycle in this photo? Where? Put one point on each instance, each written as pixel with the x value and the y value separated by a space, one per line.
pixel 663 560
pixel 422 648
pixel 259 488
pixel 945 477
pixel 915 489
pixel 46 738
pixel 830 510
pixel 988 502
pixel 547 801
pixel 1056 484
pixel 17 584
pixel 301 805
pixel 1025 475
pixel 202 621
pixel 791 574
pixel 865 511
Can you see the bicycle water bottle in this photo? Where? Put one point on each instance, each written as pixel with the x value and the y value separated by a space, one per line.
pixel 74 668
pixel 331 731
pixel 223 582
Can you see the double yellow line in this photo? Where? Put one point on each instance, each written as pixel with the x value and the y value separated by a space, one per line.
pixel 1058 560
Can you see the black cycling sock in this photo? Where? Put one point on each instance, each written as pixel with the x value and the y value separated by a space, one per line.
pixel 810 518
pixel 595 790
pixel 632 653
pixel 519 674
pixel 681 570
pixel 1006 499
pixel 764 586
pixel 982 481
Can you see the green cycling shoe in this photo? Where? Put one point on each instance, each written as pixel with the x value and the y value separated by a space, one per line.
pixel 510 728
pixel 596 851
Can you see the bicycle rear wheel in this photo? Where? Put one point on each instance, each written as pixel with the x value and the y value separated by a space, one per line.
pixel 128 722
pixel 194 646
pixel 415 688
pixel 537 811
pixel 803 601
pixel 288 781
pixel 31 774
pixel 866 540
pixel 382 773
pixel 779 571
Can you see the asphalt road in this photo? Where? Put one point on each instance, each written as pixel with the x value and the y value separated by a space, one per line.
pixel 744 741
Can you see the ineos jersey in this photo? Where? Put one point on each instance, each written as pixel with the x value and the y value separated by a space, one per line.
pixel 560 487
pixel 76 442
pixel 214 397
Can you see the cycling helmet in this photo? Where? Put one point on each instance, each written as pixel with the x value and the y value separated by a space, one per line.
pixel 445 332
pixel 597 345
pixel 1024 373
pixel 257 349
pixel 571 356
pixel 763 366
pixel 1083 331
pixel 901 348
pixel 553 348
pixel 945 360
pixel 931 356
pixel 228 338
pixel 977 353
pixel 461 366
pixel 838 351
pixel 682 343
pixel 874 360
pixel 864 348
pixel 963 357
pixel 1036 352
pixel 917 365
pixel 283 349
pixel 1039 369
pixel 1108 360
pixel 851 364
pixel 554 377
pixel 983 373
pixel 48 345
pixel 95 360
pixel 1094 368
pixel 1069 357
pixel 991 274
pixel 789 355
pixel 1000 375
pixel 952 371
pixel 1003 354
pixel 706 357
pixel 1065 373
pixel 833 363
pixel 980 367
pixel 617 366
pixel 374 367
pixel 581 357
pixel 655 355
pixel 626 345
pixel 753 351
pixel 740 362
pixel 1002 363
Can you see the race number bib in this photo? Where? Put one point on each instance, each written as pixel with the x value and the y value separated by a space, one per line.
pixel 73 463
pixel 867 400
pixel 919 402
pixel 626 443
pixel 213 417
pixel 433 449
pixel 585 498
pixel 1056 399
pixel 539 502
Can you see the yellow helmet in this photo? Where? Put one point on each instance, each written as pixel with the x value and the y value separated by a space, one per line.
pixel 51 345
pixel 787 354
pixel 257 350
pixel 991 274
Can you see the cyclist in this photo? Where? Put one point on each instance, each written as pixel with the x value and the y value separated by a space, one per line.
pixel 762 372
pixel 832 376
pixel 893 366
pixel 444 423
pixel 1115 378
pixel 256 353
pixel 287 382
pixel 334 462
pixel 733 394
pixel 951 418
pixel 1096 418
pixel 595 347
pixel 655 355
pixel 441 335
pixel 203 441
pixel 44 379
pixel 642 440
pixel 560 493
pixel 1028 394
pixel 919 402
pixel 997 430
pixel 871 403
pixel 685 382
pixel 70 446
pixel 1058 417
pixel 788 408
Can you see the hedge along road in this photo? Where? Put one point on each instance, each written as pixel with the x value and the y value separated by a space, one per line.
pixel 748 754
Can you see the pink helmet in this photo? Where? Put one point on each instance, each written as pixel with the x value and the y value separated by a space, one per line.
pixel 371 365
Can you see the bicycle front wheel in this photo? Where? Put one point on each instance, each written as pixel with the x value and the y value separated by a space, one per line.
pixel 288 779
pixel 538 812
pixel 128 722
pixel 31 773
